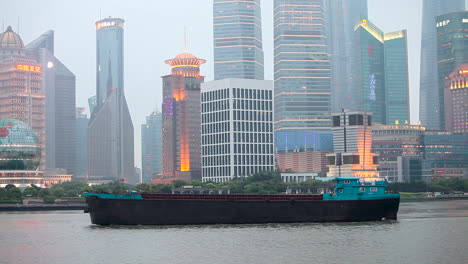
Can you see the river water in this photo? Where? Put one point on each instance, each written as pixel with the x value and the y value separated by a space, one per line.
pixel 426 232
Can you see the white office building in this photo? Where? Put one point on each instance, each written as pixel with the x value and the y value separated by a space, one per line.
pixel 237 128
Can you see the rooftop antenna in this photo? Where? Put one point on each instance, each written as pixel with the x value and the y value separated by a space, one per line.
pixel 100 16
pixel 185 39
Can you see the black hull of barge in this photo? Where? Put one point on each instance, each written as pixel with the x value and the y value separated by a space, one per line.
pixel 191 212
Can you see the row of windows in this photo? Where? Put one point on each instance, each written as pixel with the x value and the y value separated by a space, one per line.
pixel 253 126
pixel 215 117
pixel 215 95
pixel 253 137
pixel 216 161
pixel 216 150
pixel 215 106
pixel 253 115
pixel 252 94
pixel 216 139
pixel 215 128
pixel 253 159
pixel 253 148
pixel 252 105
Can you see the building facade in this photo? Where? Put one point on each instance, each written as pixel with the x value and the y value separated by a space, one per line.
pixel 397 103
pixel 237 128
pixel 301 72
pixel 380 74
pixel 456 100
pixel 452 51
pixel 151 146
pixel 81 141
pixel 342 16
pixel 21 93
pixel 59 85
pixel 352 142
pixel 398 146
pixel 446 154
pixel 429 108
pixel 303 161
pixel 237 31
pixel 181 120
pixel 110 129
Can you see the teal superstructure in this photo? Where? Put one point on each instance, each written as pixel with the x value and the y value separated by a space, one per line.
pixel 352 189
pixel 130 195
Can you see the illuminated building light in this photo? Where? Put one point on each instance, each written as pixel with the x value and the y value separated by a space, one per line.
pixel 185 65
pixel 28 68
pixel 395 35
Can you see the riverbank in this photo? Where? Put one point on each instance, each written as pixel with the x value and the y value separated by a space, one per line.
pixel 41 207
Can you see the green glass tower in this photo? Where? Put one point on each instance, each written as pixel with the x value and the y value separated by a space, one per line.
pixel 380 74
pixel 452 51
pixel 396 77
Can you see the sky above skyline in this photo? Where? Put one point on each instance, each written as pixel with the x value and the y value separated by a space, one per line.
pixel 154 32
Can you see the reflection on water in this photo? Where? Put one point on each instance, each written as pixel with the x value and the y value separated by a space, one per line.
pixel 426 232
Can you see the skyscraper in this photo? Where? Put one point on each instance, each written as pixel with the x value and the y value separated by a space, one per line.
pixel 452 51
pixel 81 142
pixel 181 120
pixel 302 75
pixel 369 71
pixel 429 108
pixel 342 17
pixel 380 74
pixel 59 85
pixel 397 105
pixel 237 128
pixel 21 92
pixel 237 31
pixel 456 100
pixel 110 130
pixel 151 146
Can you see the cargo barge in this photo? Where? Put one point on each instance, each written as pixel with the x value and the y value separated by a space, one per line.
pixel 351 201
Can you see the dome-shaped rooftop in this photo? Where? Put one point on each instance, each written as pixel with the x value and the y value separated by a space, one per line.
pixel 19 146
pixel 10 40
pixel 185 55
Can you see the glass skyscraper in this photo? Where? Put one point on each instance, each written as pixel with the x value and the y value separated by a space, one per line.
pixel 59 85
pixel 151 146
pixel 302 75
pixel 110 130
pixel 452 51
pixel 369 71
pixel 343 16
pixel 397 105
pixel 429 108
pixel 237 31
pixel 380 74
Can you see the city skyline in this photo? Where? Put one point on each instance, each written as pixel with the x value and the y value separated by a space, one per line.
pixel 66 27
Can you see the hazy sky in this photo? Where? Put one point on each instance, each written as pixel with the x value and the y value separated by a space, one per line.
pixel 154 32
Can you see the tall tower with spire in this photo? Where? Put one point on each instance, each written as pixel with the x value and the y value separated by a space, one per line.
pixel 110 130
pixel 181 120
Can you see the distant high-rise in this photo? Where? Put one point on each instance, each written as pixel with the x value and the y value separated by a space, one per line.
pixel 59 85
pixel 342 16
pixel 397 104
pixel 237 31
pixel 456 100
pixel 452 51
pixel 21 92
pixel 429 107
pixel 110 130
pixel 181 120
pixel 380 74
pixel 237 128
pixel 151 146
pixel 302 75
pixel 81 142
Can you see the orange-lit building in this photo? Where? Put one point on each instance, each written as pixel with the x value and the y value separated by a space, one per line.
pixel 21 94
pixel 181 120
pixel 456 100
pixel 352 144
